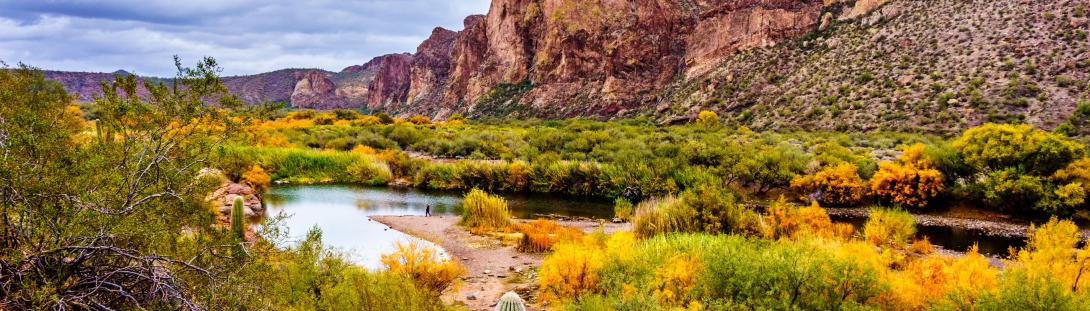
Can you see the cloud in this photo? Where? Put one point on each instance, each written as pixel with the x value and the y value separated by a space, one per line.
pixel 245 36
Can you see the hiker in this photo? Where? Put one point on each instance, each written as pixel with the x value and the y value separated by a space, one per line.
pixel 427 211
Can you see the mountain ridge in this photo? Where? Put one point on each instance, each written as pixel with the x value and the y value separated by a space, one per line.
pixel 765 63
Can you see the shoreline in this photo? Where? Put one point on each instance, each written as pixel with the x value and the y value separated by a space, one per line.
pixel 492 268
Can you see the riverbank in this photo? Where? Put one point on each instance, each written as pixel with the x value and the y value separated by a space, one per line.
pixel 492 268
pixel 981 226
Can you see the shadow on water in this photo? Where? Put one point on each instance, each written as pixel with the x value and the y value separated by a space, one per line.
pixel 953 238
pixel 342 211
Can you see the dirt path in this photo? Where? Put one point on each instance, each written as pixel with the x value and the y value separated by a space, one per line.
pixel 492 268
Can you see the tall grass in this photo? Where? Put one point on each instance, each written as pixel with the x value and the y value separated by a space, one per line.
pixel 663 215
pixel 483 212
pixel 304 165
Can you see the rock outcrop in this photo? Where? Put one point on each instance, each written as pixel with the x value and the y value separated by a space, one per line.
pixel 391 80
pixel 560 58
pixel 594 58
pixel 223 197
pixel 314 89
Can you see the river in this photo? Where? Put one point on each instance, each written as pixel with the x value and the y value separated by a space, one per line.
pixel 341 212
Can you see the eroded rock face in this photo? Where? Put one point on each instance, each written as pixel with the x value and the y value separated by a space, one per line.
pixel 561 58
pixel 592 57
pixel 430 66
pixel 314 88
pixel 391 81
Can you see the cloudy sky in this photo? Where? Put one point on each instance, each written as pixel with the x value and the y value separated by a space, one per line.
pixel 245 36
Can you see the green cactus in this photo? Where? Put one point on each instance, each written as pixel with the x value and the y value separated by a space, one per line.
pixel 238 219
pixel 510 302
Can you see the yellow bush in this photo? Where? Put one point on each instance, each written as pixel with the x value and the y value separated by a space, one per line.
pixel 784 221
pixel 1052 254
pixel 922 246
pixel 482 212
pixel 571 270
pixel 424 265
pixel 675 279
pixel 540 235
pixel 364 149
pixel 839 184
pixel 707 118
pixel 909 181
pixel 889 228
pixel 257 178
pixel 419 120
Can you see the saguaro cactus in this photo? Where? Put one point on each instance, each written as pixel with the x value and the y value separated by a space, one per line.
pixel 238 219
pixel 510 302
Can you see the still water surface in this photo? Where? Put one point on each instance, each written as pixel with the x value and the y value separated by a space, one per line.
pixel 341 212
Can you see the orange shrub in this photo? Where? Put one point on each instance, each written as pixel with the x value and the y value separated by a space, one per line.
pixel 839 184
pixel 540 235
pixel 419 120
pixel 364 149
pixel 784 221
pixel 909 181
pixel 256 177
pixel 424 265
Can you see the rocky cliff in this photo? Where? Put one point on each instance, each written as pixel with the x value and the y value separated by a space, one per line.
pixel 765 63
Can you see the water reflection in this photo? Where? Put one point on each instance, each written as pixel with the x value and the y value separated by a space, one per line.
pixel 341 212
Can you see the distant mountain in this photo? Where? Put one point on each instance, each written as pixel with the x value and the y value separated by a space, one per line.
pixel 937 66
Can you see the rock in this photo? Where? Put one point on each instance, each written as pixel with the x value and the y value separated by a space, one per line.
pixel 616 220
pixel 487 272
pixel 313 88
pixel 471 296
pixel 224 196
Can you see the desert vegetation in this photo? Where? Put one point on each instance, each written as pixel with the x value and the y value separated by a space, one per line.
pixel 111 195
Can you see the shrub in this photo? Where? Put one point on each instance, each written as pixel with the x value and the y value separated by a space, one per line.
pixel 419 120
pixel 889 228
pixel 540 235
pixel 484 212
pixel 839 185
pixel 910 181
pixel 308 276
pixel 993 147
pixel 707 118
pixel 784 221
pixel 256 178
pixel 622 209
pixel 770 167
pixel 423 265
pixel 718 210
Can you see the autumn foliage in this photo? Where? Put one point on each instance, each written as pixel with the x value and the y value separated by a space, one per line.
pixel 424 265
pixel 839 185
pixel 540 235
pixel 910 181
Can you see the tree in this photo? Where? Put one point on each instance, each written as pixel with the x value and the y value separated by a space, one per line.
pixel 109 218
pixel 1021 168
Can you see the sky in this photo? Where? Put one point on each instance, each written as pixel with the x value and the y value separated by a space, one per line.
pixel 244 36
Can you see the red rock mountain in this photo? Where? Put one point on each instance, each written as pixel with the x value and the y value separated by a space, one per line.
pixel 766 63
